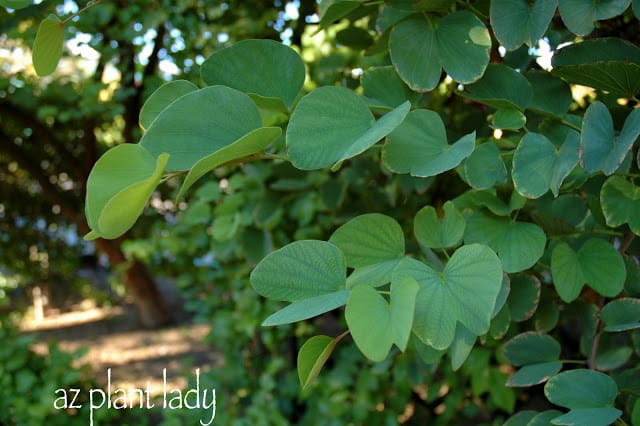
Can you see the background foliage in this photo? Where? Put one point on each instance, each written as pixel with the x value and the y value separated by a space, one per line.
pixel 473 207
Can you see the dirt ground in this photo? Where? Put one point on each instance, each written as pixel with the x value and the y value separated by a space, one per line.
pixel 135 356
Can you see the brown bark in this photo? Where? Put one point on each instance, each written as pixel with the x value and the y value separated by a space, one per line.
pixel 150 305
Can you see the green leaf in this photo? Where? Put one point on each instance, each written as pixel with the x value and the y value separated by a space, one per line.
pixel 509 119
pixel 435 232
pixel 374 275
pixel 281 73
pixel 369 239
pixel 501 87
pixel 252 143
pixel 465 291
pixel 474 198
pixel 517 22
pixel 47 47
pixel 539 166
pixel 161 98
pixel 609 64
pixel 544 418
pixel 621 202
pixel 312 356
pixel 308 308
pixel 354 37
pixel 334 10
pixel 419 146
pixel 579 15
pixel 521 418
pixel 523 297
pixel 403 302
pixel 518 244
pixel 581 388
pixel 16 4
pixel 550 93
pixel 597 264
pixel 589 416
pixel 484 168
pixel 601 149
pixel 199 124
pixel 531 348
pixel 385 86
pixel 621 314
pixel 534 374
pixel 300 270
pixel 375 325
pixel 461 346
pixel 118 188
pixel 420 48
pixel 332 124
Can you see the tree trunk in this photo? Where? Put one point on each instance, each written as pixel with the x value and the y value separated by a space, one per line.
pixel 150 305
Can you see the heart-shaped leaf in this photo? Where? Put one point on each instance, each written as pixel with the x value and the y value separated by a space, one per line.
pixel 161 98
pixel 597 264
pixel 434 232
pixel 47 47
pixel 620 201
pixel 579 16
pixel 538 165
pixel 252 143
pixel 280 78
pixel 118 188
pixel 550 93
pixel 419 146
pixel 421 47
pixel 374 275
pixel 369 239
pixel 517 22
pixel 300 270
pixel 501 87
pixel 383 85
pixel 199 124
pixel 312 356
pixel 518 244
pixel 332 124
pixel 609 64
pixel 589 394
pixel 484 168
pixel 461 346
pixel 508 119
pixel 374 324
pixel 465 291
pixel 621 314
pixel 308 308
pixel 601 149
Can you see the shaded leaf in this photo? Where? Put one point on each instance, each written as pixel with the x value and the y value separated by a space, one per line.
pixel 308 308
pixel 589 416
pixel 312 356
pixel 621 203
pixel 534 374
pixel 300 270
pixel 435 232
pixel 47 47
pixel 579 16
pixel 385 86
pixel 332 124
pixel 531 348
pixel 369 239
pixel 501 87
pixel 597 264
pixel 161 98
pixel 581 388
pixel 523 297
pixel 484 168
pixel 517 22
pixel 419 146
pixel 621 314
pixel 281 73
pixel 199 124
pixel 421 48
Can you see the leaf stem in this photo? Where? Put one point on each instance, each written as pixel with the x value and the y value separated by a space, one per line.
pixel 566 123
pixel 269 156
pixel 340 337
pixel 596 339
pixel 472 8
pixel 446 254
pixel 88 6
